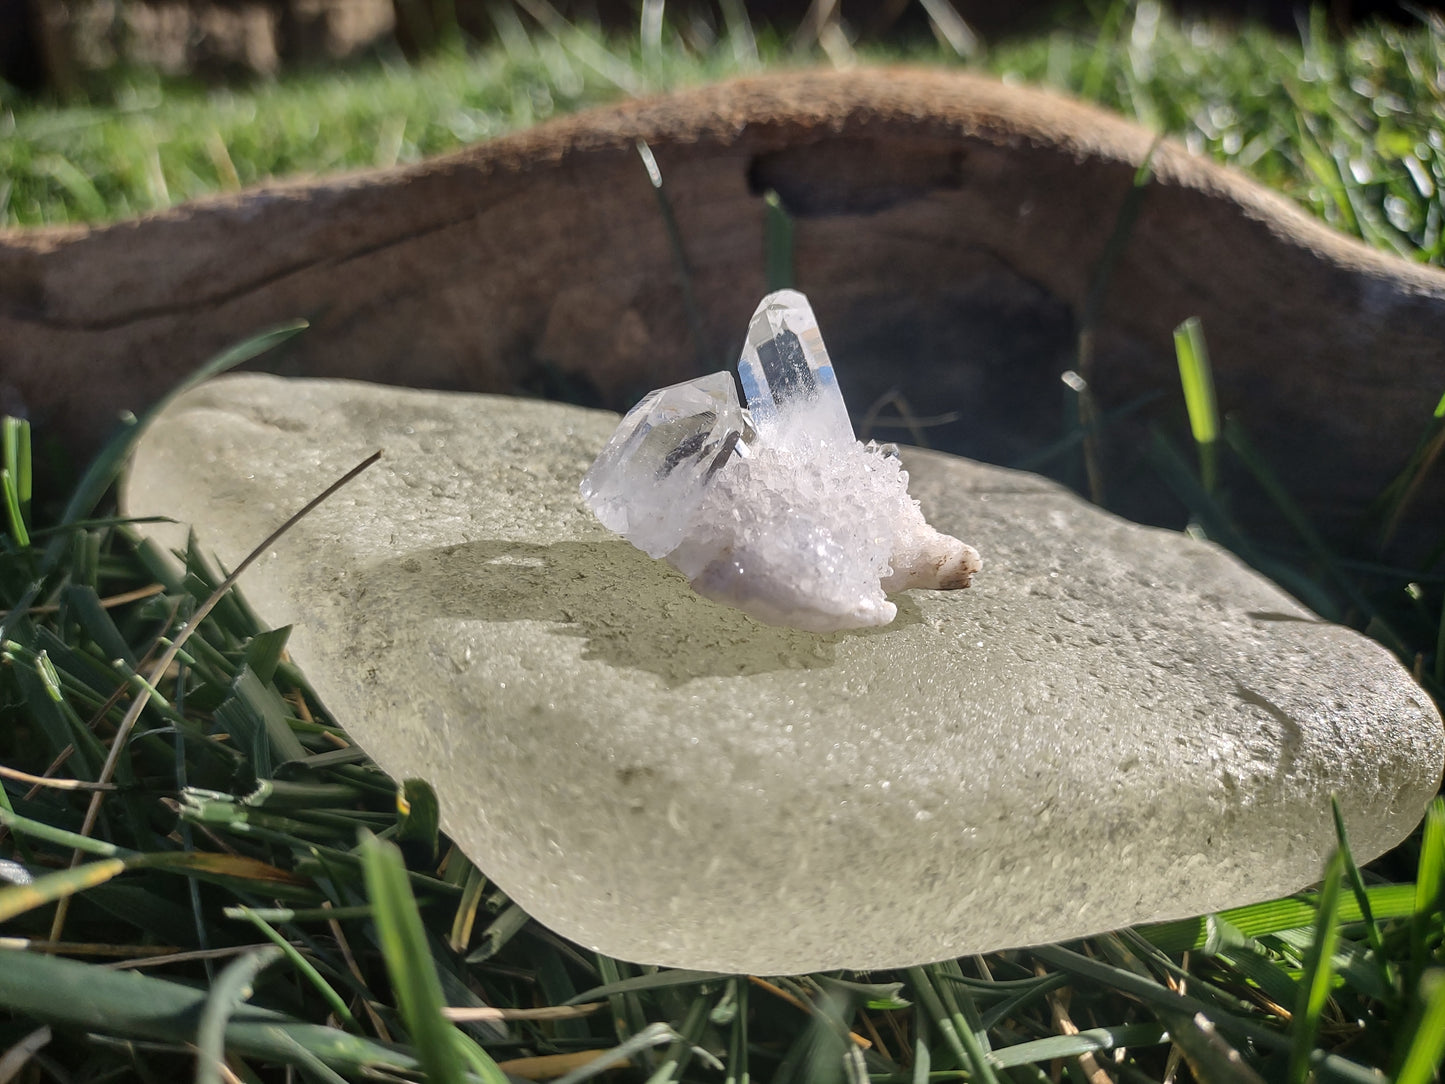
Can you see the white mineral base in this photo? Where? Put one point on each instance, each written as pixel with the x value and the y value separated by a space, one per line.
pixel 928 558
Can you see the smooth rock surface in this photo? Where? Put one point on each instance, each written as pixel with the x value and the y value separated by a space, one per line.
pixel 1116 724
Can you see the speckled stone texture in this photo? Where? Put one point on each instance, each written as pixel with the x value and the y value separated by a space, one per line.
pixel 1115 724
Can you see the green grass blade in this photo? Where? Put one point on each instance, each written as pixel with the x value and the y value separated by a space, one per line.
pixel 1197 378
pixel 502 929
pixel 737 1070
pixel 15 477
pixel 263 652
pixel 1319 973
pixel 230 990
pixel 956 1032
pixel 129 1005
pixel 656 981
pixel 1361 896
pixel 408 958
pixel 483 1067
pixel 922 1058
pixel 106 466
pixel 1237 1029
pixel 1011 1005
pixel 49 833
pixel 648 1037
pixel 1210 1057
pixel 418 820
pixel 9 493
pixel 18 458
pixel 681 265
pixel 83 606
pixel 1426 1050
pixel 674 1063
pixel 777 242
pixel 1274 916
pixel 1429 889
pixel 16 900
pixel 303 966
pixel 959 1003
pixel 1092 1041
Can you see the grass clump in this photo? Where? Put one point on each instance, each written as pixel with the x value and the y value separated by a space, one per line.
pixel 201 875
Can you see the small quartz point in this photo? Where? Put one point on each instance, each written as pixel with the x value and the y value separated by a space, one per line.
pixel 788 378
pixel 778 509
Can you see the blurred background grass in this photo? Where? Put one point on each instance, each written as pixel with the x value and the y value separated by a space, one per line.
pixel 1349 122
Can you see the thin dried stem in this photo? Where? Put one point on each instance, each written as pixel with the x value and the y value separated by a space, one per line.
pixel 143 695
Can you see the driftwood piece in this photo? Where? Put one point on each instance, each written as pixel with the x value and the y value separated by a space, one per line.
pixel 948 230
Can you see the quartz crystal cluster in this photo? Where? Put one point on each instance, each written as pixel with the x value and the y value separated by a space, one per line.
pixel 775 508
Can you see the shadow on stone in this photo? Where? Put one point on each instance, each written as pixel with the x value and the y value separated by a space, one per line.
pixel 634 612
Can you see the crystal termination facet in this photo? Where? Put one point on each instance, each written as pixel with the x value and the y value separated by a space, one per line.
pixel 778 509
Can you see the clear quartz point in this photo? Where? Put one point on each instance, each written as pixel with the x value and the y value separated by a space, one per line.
pixel 776 510
pixel 788 377
pixel 650 479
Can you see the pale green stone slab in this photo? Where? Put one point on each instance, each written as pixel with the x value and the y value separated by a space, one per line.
pixel 1115 724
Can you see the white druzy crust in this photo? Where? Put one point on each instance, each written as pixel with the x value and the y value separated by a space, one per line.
pixel 799 540
pixel 781 512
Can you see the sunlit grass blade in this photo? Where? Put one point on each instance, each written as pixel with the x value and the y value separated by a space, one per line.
pixel 1197 378
pixel 474 886
pixel 19 455
pixel 408 962
pixel 1314 991
pixel 15 480
pixel 16 900
pixel 1429 889
pixel 1425 1051
pixel 1274 916
pixel 1361 895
